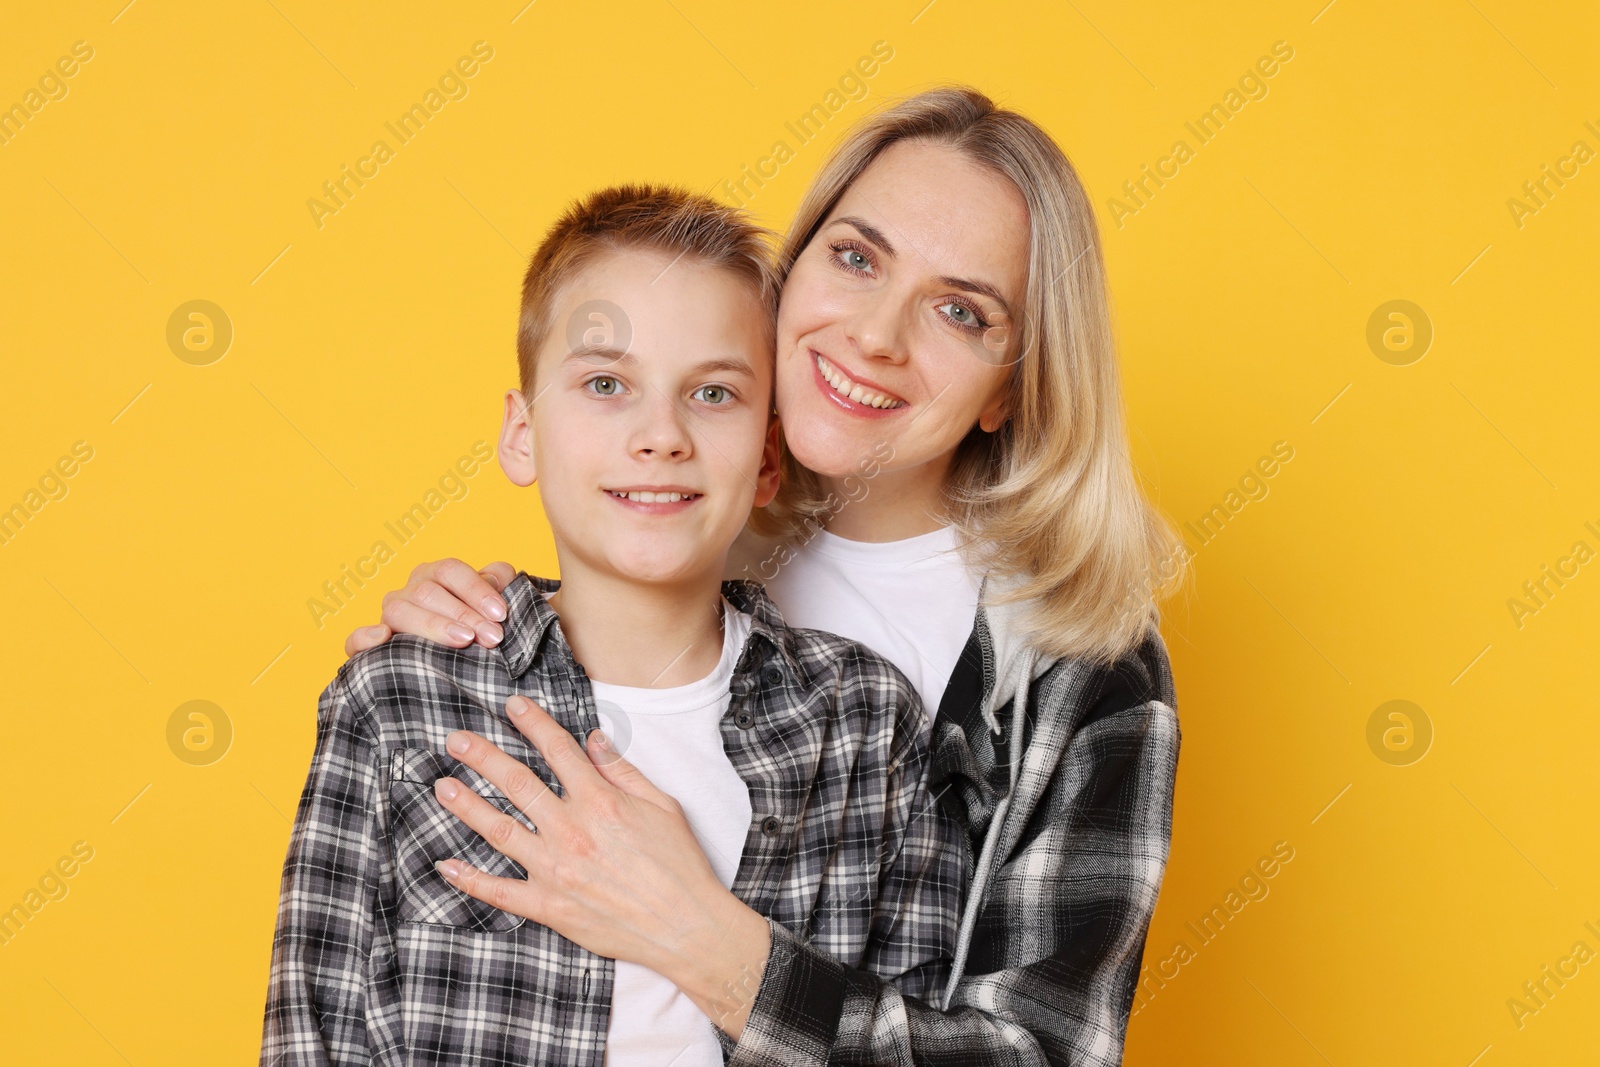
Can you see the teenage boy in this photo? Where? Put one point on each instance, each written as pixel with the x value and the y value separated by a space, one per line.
pixel 645 357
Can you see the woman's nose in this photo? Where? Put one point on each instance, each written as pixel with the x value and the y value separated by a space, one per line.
pixel 878 327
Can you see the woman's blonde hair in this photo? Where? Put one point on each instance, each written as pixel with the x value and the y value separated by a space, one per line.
pixel 1050 500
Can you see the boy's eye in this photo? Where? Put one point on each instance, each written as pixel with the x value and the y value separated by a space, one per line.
pixel 605 386
pixel 712 394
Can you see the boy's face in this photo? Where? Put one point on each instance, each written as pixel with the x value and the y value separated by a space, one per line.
pixel 684 409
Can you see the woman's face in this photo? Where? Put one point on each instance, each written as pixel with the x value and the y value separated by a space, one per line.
pixel 897 322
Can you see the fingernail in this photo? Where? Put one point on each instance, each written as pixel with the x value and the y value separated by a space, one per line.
pixel 600 739
pixel 448 868
pixel 493 608
pixel 460 632
pixel 517 705
pixel 446 788
pixel 458 743
pixel 492 634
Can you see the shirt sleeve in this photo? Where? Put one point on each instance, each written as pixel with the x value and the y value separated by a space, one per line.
pixel 319 995
pixel 1063 927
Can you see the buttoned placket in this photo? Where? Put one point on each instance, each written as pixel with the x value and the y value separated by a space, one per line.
pixel 756 695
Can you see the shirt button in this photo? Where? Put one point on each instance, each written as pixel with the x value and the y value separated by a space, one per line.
pixel 743 719
pixel 772 675
pixel 771 825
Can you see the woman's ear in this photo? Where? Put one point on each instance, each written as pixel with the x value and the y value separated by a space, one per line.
pixel 997 414
pixel 516 441
pixel 771 464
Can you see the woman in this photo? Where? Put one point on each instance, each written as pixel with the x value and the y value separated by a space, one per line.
pixel 947 387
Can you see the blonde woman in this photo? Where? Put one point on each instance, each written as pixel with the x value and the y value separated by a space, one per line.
pixel 957 495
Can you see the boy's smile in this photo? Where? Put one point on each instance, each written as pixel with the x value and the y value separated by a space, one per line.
pixel 656 499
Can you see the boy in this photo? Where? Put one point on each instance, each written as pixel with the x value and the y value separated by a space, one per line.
pixel 645 345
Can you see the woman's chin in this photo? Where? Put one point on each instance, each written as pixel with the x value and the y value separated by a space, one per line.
pixel 834 455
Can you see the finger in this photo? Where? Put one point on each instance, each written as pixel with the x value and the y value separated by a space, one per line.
pixel 566 759
pixel 624 775
pixel 469 587
pixel 508 836
pixel 509 774
pixel 499 574
pixel 428 593
pixel 406 616
pixel 365 637
pixel 508 894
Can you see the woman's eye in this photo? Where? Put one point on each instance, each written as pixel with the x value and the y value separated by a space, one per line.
pixel 712 394
pixel 961 315
pixel 605 386
pixel 853 258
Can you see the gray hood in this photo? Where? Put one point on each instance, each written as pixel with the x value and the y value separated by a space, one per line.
pixel 1016 662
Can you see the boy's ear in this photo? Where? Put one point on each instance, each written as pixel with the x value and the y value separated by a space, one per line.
pixel 771 457
pixel 516 441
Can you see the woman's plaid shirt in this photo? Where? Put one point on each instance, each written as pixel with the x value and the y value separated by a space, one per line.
pixel 378 960
pixel 1054 959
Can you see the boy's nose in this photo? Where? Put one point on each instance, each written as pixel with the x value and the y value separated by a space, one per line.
pixel 664 431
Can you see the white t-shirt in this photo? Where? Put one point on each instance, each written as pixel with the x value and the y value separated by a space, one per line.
pixel 674 737
pixel 911 601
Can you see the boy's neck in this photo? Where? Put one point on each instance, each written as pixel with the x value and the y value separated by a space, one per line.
pixel 647 636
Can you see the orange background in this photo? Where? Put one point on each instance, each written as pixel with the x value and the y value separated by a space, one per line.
pixel 369 352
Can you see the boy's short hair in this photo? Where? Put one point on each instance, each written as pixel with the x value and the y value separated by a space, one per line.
pixel 623 217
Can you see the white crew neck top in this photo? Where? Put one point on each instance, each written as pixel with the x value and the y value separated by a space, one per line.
pixel 674 737
pixel 912 601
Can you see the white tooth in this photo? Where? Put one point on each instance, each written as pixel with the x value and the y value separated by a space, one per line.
pixel 673 498
pixel 857 393
pixel 650 498
pixel 872 400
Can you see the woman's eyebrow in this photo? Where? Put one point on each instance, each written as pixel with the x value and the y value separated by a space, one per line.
pixel 982 288
pixel 870 232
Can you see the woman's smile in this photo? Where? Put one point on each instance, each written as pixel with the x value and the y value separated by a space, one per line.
pixel 850 393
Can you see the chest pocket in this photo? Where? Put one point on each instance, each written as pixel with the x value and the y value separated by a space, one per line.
pixel 423 830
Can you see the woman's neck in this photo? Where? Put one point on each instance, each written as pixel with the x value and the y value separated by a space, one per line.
pixel 889 506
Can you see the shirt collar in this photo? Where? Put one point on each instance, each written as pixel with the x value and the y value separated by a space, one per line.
pixel 529 617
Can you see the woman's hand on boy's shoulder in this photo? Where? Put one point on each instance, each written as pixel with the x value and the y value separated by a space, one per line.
pixel 446 601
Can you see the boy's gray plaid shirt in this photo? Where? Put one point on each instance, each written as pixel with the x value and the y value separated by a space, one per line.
pixel 377 959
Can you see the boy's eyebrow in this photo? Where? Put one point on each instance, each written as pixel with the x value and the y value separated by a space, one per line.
pixel 725 365
pixel 971 285
pixel 612 357
pixel 601 356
